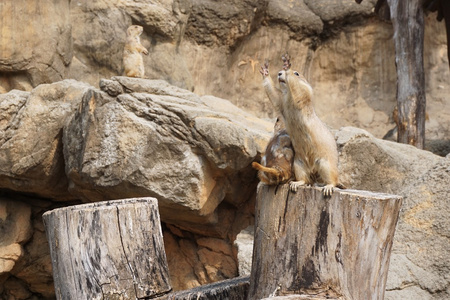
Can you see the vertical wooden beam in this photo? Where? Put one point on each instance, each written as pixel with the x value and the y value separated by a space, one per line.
pixel 408 20
pixel 108 250
pixel 322 248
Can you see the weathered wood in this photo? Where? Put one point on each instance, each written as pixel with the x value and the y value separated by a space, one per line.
pixel 334 248
pixel 108 250
pixel 231 289
pixel 408 21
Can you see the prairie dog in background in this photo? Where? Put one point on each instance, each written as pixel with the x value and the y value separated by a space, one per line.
pixel 132 59
pixel 276 164
pixel 316 156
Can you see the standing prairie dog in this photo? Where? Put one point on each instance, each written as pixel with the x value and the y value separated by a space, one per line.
pixel 132 59
pixel 316 156
pixel 276 164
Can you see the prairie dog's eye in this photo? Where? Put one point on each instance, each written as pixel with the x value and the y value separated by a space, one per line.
pixel 296 73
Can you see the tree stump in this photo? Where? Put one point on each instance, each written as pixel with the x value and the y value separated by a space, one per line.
pixel 108 250
pixel 327 248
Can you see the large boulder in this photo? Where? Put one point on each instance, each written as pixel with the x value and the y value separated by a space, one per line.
pixel 31 125
pixel 158 140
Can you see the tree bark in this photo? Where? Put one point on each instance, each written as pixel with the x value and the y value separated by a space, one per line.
pixel 108 250
pixel 324 248
pixel 408 22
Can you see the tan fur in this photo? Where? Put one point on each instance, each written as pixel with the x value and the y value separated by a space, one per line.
pixel 277 161
pixel 132 59
pixel 316 156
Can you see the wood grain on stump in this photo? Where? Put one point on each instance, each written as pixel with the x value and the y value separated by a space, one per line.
pixel 108 250
pixel 335 248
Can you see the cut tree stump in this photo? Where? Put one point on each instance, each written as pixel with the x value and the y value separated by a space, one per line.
pixel 108 250
pixel 322 248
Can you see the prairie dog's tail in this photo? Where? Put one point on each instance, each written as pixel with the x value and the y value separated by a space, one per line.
pixel 271 171
pixel 341 186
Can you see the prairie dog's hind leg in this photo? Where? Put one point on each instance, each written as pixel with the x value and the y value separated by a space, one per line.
pixel 300 175
pixel 328 175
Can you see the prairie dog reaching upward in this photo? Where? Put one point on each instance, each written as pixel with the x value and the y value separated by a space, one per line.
pixel 316 156
pixel 132 59
pixel 276 164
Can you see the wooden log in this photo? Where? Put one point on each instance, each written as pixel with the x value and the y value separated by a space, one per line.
pixel 231 289
pixel 325 248
pixel 408 22
pixel 108 250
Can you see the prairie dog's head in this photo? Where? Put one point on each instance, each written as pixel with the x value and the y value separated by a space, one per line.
pixel 134 30
pixel 287 77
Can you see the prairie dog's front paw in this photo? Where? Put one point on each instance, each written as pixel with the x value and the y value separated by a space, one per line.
pixel 328 190
pixel 293 185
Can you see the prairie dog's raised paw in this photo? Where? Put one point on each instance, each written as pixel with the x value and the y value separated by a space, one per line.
pixel 286 61
pixel 265 69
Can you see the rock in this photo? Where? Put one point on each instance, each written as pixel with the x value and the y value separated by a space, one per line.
pixel 338 10
pixel 218 267
pixel 166 143
pixel 15 231
pixel 282 12
pixel 8 256
pixel 31 158
pixel 38 49
pixel 111 87
pixel 244 244
pixel 194 261
pixel 223 23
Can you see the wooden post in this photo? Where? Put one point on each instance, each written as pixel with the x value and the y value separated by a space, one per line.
pixel 327 248
pixel 230 289
pixel 108 250
pixel 408 21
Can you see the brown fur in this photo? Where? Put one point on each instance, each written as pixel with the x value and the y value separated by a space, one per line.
pixel 132 59
pixel 277 161
pixel 316 156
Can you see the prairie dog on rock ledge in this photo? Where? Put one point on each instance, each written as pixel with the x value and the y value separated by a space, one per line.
pixel 132 59
pixel 276 164
pixel 316 156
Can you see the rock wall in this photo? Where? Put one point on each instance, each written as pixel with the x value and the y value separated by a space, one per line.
pixel 216 48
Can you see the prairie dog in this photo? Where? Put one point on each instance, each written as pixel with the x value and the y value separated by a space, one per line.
pixel 276 164
pixel 132 59
pixel 316 156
